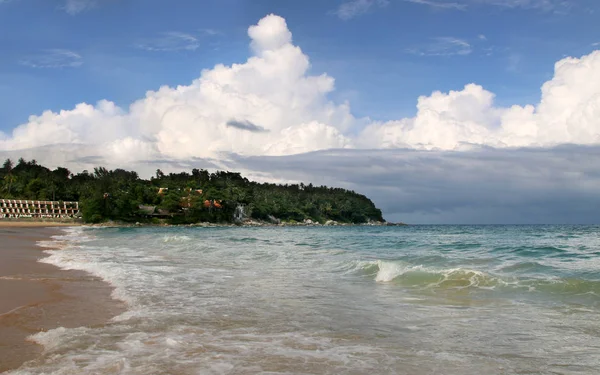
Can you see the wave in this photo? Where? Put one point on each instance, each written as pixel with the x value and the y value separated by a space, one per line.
pixel 58 337
pixel 72 236
pixel 68 252
pixel 422 277
pixel 538 251
pixel 530 267
pixel 176 238
pixel 418 275
pixel 243 239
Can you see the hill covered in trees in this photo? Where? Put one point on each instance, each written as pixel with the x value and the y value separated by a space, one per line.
pixel 219 197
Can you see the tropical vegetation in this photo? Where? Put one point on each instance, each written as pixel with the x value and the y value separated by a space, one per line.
pixel 199 196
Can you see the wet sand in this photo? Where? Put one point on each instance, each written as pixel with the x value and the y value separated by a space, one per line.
pixel 37 297
pixel 10 223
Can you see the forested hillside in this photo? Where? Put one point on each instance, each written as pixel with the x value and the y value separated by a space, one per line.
pixel 182 197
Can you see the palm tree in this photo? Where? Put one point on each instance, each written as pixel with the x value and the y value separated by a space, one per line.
pixel 9 180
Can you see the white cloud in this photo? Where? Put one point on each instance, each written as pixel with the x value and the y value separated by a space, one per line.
pixel 53 58
pixel 74 7
pixel 271 105
pixel 170 41
pixel 514 60
pixel 85 124
pixel 440 4
pixel 545 5
pixel 443 46
pixel 211 32
pixel 354 8
pixel 569 112
pixel 270 34
pixel 271 89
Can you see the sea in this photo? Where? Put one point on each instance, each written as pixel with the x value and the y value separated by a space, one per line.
pixel 334 300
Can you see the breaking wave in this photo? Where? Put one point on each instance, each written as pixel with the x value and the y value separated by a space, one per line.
pixel 419 276
pixel 176 238
pixel 70 252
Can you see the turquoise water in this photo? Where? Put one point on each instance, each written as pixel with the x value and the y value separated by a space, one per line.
pixel 336 300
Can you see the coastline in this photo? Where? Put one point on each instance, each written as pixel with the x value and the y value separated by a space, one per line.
pixel 36 297
pixel 35 224
pixel 245 224
pixel 249 223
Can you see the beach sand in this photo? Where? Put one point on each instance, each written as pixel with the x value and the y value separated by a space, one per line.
pixel 9 223
pixel 37 297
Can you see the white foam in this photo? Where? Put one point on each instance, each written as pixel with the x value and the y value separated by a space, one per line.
pixel 176 238
pixel 69 253
pixel 388 271
pixel 57 337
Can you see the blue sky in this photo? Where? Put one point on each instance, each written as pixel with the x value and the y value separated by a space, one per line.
pixel 442 111
pixel 383 57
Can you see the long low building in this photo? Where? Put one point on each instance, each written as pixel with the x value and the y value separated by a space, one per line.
pixel 16 208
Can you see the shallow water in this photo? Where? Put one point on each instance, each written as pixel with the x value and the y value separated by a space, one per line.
pixel 341 300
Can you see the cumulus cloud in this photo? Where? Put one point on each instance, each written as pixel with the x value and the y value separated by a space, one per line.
pixel 218 112
pixel 272 88
pixel 270 34
pixel 53 58
pixel 569 112
pixel 271 105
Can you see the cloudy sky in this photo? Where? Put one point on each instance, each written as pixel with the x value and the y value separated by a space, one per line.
pixel 442 111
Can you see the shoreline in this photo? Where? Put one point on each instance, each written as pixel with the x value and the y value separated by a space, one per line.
pixel 248 224
pixel 4 223
pixel 36 224
pixel 37 297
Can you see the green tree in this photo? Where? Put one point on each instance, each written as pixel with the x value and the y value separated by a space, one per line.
pixel 9 181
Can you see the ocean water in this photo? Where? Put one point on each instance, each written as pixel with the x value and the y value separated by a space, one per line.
pixel 335 300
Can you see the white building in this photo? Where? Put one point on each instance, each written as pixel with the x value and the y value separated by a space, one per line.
pixel 16 208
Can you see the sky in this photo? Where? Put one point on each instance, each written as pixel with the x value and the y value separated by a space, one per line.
pixel 441 111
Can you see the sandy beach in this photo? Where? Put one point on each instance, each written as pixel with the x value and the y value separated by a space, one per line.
pixel 37 297
pixel 34 224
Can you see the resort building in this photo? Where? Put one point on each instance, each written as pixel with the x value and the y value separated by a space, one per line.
pixel 15 208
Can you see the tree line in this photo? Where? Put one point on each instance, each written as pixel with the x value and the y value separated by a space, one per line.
pixel 199 196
